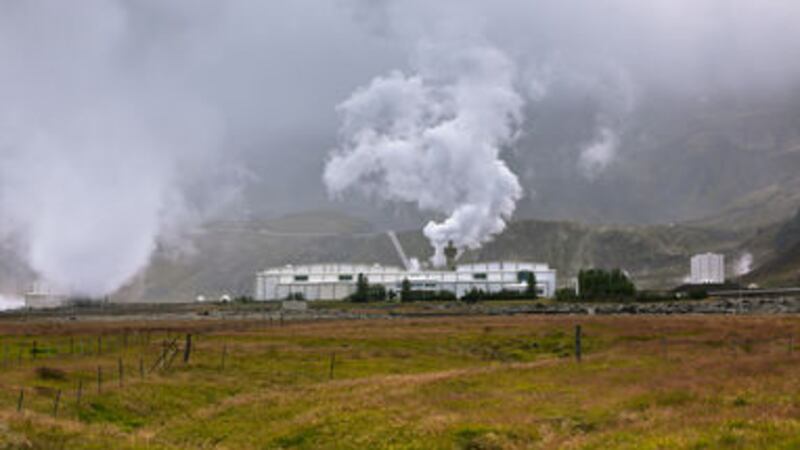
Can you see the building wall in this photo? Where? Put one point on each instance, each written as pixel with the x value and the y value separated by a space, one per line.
pixel 338 281
pixel 41 301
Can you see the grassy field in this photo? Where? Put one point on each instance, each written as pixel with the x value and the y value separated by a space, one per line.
pixel 471 382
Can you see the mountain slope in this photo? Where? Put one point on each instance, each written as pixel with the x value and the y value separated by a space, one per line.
pixel 227 255
pixel 783 268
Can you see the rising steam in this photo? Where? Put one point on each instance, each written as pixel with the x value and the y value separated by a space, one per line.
pixel 744 264
pixel 98 136
pixel 11 302
pixel 599 153
pixel 434 138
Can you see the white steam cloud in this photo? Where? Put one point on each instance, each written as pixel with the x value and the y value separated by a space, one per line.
pixel 599 153
pixel 98 137
pixel 434 138
pixel 744 264
pixel 11 302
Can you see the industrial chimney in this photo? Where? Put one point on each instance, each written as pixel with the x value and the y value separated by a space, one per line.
pixel 450 253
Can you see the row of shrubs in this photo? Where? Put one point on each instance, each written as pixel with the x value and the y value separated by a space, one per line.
pixel 474 295
pixel 569 295
pixel 366 292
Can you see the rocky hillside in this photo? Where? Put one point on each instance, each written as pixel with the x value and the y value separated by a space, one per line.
pixel 783 267
pixel 227 255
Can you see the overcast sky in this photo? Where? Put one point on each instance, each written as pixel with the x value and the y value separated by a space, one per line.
pixel 166 111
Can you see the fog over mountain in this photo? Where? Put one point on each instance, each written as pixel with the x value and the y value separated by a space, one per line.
pixel 125 125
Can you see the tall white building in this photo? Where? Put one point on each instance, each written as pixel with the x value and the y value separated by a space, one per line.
pixel 338 281
pixel 708 268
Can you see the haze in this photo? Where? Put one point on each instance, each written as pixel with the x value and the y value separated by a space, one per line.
pixel 125 125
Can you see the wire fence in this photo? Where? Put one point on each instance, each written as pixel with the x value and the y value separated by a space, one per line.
pixel 121 360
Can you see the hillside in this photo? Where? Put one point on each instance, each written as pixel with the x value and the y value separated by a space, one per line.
pixel 679 159
pixel 227 255
pixel 783 268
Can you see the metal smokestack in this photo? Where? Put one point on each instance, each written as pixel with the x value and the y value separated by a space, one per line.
pixel 450 253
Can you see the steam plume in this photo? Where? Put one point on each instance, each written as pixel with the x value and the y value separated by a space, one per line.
pixel 599 153
pixel 98 137
pixel 10 302
pixel 744 264
pixel 434 138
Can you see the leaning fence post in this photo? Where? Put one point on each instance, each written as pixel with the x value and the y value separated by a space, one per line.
pixel 578 343
pixel 99 379
pixel 187 351
pixel 56 402
pixel 33 350
pixel 121 371
pixel 20 399
pixel 333 363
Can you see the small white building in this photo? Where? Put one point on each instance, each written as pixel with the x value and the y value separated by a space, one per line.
pixel 43 300
pixel 707 268
pixel 338 281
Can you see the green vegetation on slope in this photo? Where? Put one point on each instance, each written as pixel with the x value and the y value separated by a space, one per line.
pixel 486 382
pixel 226 256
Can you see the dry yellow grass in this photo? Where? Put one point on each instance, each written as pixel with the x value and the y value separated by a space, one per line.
pixel 467 382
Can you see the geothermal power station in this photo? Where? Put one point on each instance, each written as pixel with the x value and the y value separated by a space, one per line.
pixel 338 281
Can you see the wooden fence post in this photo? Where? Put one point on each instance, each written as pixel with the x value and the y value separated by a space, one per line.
pixel 99 379
pixel 33 350
pixel 20 399
pixel 121 372
pixel 78 394
pixel 56 402
pixel 333 363
pixel 578 348
pixel 187 351
pixel 224 354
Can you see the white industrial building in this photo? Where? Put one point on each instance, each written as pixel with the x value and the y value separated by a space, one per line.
pixel 42 295
pixel 708 268
pixel 338 281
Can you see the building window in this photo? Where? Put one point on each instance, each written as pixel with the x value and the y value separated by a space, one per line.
pixel 301 278
pixel 522 276
pixel 479 276
pixel 345 278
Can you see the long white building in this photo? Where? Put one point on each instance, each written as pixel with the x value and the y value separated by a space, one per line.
pixel 708 268
pixel 338 281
